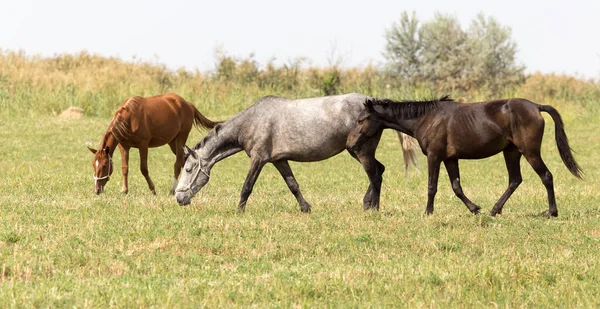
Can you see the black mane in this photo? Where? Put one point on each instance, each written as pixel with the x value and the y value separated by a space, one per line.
pixel 410 109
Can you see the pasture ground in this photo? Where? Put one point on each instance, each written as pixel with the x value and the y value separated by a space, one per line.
pixel 63 246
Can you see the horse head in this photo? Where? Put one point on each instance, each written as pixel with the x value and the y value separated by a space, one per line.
pixel 103 168
pixel 194 176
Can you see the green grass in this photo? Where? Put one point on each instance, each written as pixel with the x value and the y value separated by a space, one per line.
pixel 63 246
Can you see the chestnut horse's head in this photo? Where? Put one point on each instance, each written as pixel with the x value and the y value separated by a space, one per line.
pixel 103 168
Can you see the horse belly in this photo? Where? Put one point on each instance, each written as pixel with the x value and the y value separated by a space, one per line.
pixel 308 150
pixel 480 150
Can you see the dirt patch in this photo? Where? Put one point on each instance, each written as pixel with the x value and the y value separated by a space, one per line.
pixel 71 113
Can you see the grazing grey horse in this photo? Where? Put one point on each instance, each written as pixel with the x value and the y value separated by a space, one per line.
pixel 276 130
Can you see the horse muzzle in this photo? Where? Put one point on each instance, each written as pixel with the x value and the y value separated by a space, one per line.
pixel 183 198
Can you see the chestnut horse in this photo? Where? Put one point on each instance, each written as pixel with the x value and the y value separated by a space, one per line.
pixel 448 131
pixel 142 123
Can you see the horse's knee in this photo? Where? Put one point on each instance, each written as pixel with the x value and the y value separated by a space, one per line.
pixel 514 183
pixel 294 188
pixel 432 190
pixel 456 187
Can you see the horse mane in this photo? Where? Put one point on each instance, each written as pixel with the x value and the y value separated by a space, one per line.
pixel 120 126
pixel 212 133
pixel 409 109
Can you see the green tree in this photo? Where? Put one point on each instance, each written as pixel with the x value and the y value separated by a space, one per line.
pixel 494 66
pixel 403 47
pixel 444 57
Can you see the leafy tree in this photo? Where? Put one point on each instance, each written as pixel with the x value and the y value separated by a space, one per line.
pixel 403 47
pixel 444 57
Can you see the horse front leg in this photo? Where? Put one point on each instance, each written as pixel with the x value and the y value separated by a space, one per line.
pixel 433 166
pixel 374 169
pixel 367 199
pixel 124 167
pixel 286 172
pixel 454 174
pixel 255 168
pixel 144 167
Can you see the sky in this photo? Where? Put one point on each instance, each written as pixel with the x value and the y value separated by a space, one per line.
pixel 551 36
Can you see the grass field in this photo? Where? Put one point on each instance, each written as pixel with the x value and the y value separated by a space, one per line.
pixel 63 246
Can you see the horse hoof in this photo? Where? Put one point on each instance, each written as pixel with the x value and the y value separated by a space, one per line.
pixel 305 209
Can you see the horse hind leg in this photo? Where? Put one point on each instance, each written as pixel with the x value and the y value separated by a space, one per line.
pixel 177 149
pixel 454 175
pixel 512 158
pixel 535 160
pixel 288 176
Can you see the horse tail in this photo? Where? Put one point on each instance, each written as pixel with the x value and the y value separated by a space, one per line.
pixel 409 150
pixel 200 121
pixel 562 142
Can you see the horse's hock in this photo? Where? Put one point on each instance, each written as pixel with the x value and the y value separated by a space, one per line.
pixel 71 113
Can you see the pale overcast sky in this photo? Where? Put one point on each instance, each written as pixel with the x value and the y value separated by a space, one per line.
pixel 552 36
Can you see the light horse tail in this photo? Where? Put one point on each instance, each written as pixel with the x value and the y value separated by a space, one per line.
pixel 562 142
pixel 200 121
pixel 409 151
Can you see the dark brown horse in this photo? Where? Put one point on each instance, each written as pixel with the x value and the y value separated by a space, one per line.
pixel 448 131
pixel 142 123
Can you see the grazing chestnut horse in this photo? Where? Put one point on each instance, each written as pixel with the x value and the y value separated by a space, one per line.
pixel 142 123
pixel 448 131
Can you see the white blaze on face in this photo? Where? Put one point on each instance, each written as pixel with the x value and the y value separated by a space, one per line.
pixel 97 163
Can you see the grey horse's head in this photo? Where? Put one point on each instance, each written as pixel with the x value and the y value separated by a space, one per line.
pixel 194 175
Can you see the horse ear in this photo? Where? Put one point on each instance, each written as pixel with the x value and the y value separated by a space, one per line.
pixel 92 150
pixel 188 152
pixel 369 105
pixel 217 128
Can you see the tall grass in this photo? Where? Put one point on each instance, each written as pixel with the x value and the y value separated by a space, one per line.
pixel 34 85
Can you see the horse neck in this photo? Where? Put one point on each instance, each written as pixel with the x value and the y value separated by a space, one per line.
pixel 109 141
pixel 222 144
pixel 399 123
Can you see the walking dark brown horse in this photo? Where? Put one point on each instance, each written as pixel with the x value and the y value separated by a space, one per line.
pixel 142 123
pixel 448 131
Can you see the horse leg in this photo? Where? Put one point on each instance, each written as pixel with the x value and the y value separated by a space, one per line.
pixel 369 194
pixel 177 149
pixel 286 172
pixel 512 157
pixel 454 174
pixel 144 167
pixel 124 167
pixel 255 168
pixel 433 166
pixel 373 168
pixel 535 160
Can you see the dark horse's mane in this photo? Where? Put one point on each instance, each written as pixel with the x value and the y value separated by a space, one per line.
pixel 409 109
pixel 120 127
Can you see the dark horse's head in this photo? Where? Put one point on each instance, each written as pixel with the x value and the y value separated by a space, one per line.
pixel 380 114
pixel 103 168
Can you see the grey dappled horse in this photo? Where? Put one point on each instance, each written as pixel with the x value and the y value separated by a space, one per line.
pixel 275 130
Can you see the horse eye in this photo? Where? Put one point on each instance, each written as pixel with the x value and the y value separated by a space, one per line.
pixel 188 169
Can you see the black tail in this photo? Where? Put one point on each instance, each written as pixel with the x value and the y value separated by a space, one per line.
pixel 201 121
pixel 562 142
